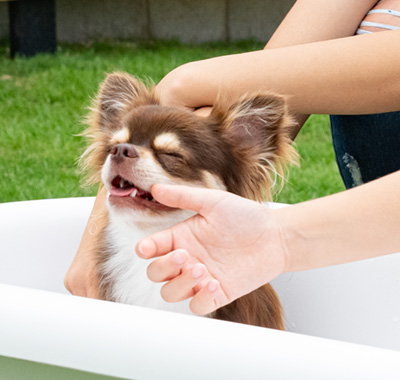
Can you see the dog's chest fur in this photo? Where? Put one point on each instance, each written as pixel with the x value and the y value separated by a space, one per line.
pixel 126 273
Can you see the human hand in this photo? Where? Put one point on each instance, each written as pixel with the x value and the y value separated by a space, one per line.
pixel 177 89
pixel 81 277
pixel 183 88
pixel 230 248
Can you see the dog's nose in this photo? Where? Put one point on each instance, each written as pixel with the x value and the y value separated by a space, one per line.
pixel 122 151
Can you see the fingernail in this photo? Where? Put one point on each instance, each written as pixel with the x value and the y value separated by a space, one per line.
pixel 140 250
pixel 179 258
pixel 212 286
pixel 142 247
pixel 197 271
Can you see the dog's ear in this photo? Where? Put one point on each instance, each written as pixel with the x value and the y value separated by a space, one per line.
pixel 117 94
pixel 257 128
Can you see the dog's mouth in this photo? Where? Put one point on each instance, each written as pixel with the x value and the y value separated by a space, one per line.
pixel 121 187
pixel 124 193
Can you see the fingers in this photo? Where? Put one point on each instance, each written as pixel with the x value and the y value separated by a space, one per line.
pixel 207 293
pixel 203 111
pixel 181 276
pixel 155 245
pixel 184 286
pixel 208 299
pixel 186 280
pixel 185 197
pixel 167 267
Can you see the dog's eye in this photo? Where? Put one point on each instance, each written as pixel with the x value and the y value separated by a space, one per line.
pixel 170 158
pixel 171 155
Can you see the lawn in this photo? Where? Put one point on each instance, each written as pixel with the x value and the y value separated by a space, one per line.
pixel 43 101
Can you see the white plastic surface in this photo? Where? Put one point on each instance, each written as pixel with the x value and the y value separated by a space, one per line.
pixel 357 302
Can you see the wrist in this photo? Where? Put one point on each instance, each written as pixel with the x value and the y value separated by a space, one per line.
pixel 293 241
pixel 271 255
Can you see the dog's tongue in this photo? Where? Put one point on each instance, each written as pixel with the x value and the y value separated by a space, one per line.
pixel 122 192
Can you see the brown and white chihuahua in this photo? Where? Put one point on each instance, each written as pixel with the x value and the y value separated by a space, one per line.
pixel 135 142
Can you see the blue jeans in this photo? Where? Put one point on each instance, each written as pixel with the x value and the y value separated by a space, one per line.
pixel 366 146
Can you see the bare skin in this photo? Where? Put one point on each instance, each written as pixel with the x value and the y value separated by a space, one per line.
pixel 81 278
pixel 329 77
pixel 234 245
pixel 312 58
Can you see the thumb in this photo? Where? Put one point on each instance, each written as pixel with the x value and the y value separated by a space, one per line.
pixel 199 200
pixel 196 199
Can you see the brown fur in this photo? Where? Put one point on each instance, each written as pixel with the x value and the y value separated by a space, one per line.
pixel 258 308
pixel 245 143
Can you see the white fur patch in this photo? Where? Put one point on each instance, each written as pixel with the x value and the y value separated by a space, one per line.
pixel 127 271
pixel 121 136
pixel 105 173
pixel 212 181
pixel 167 141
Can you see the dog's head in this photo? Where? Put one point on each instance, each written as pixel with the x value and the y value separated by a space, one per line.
pixel 136 142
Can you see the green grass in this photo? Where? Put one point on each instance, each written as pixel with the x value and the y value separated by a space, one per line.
pixel 318 174
pixel 44 99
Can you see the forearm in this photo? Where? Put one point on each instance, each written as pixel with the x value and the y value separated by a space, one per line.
pixel 329 77
pixel 313 21
pixel 94 224
pixel 357 224
pixel 81 278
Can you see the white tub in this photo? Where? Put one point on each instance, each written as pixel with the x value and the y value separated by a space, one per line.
pixel 47 334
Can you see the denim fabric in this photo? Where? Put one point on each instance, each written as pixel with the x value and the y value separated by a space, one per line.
pixel 366 146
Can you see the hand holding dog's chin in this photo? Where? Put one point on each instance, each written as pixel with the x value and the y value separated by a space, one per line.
pixel 230 248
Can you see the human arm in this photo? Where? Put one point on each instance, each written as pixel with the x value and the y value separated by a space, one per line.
pixel 236 245
pixel 81 277
pixel 308 21
pixel 357 224
pixel 313 21
pixel 314 65
pixel 337 76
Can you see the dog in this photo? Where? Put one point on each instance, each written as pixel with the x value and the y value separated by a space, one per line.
pixel 135 142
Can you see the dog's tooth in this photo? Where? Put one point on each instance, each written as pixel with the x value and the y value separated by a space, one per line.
pixel 121 183
pixel 133 194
